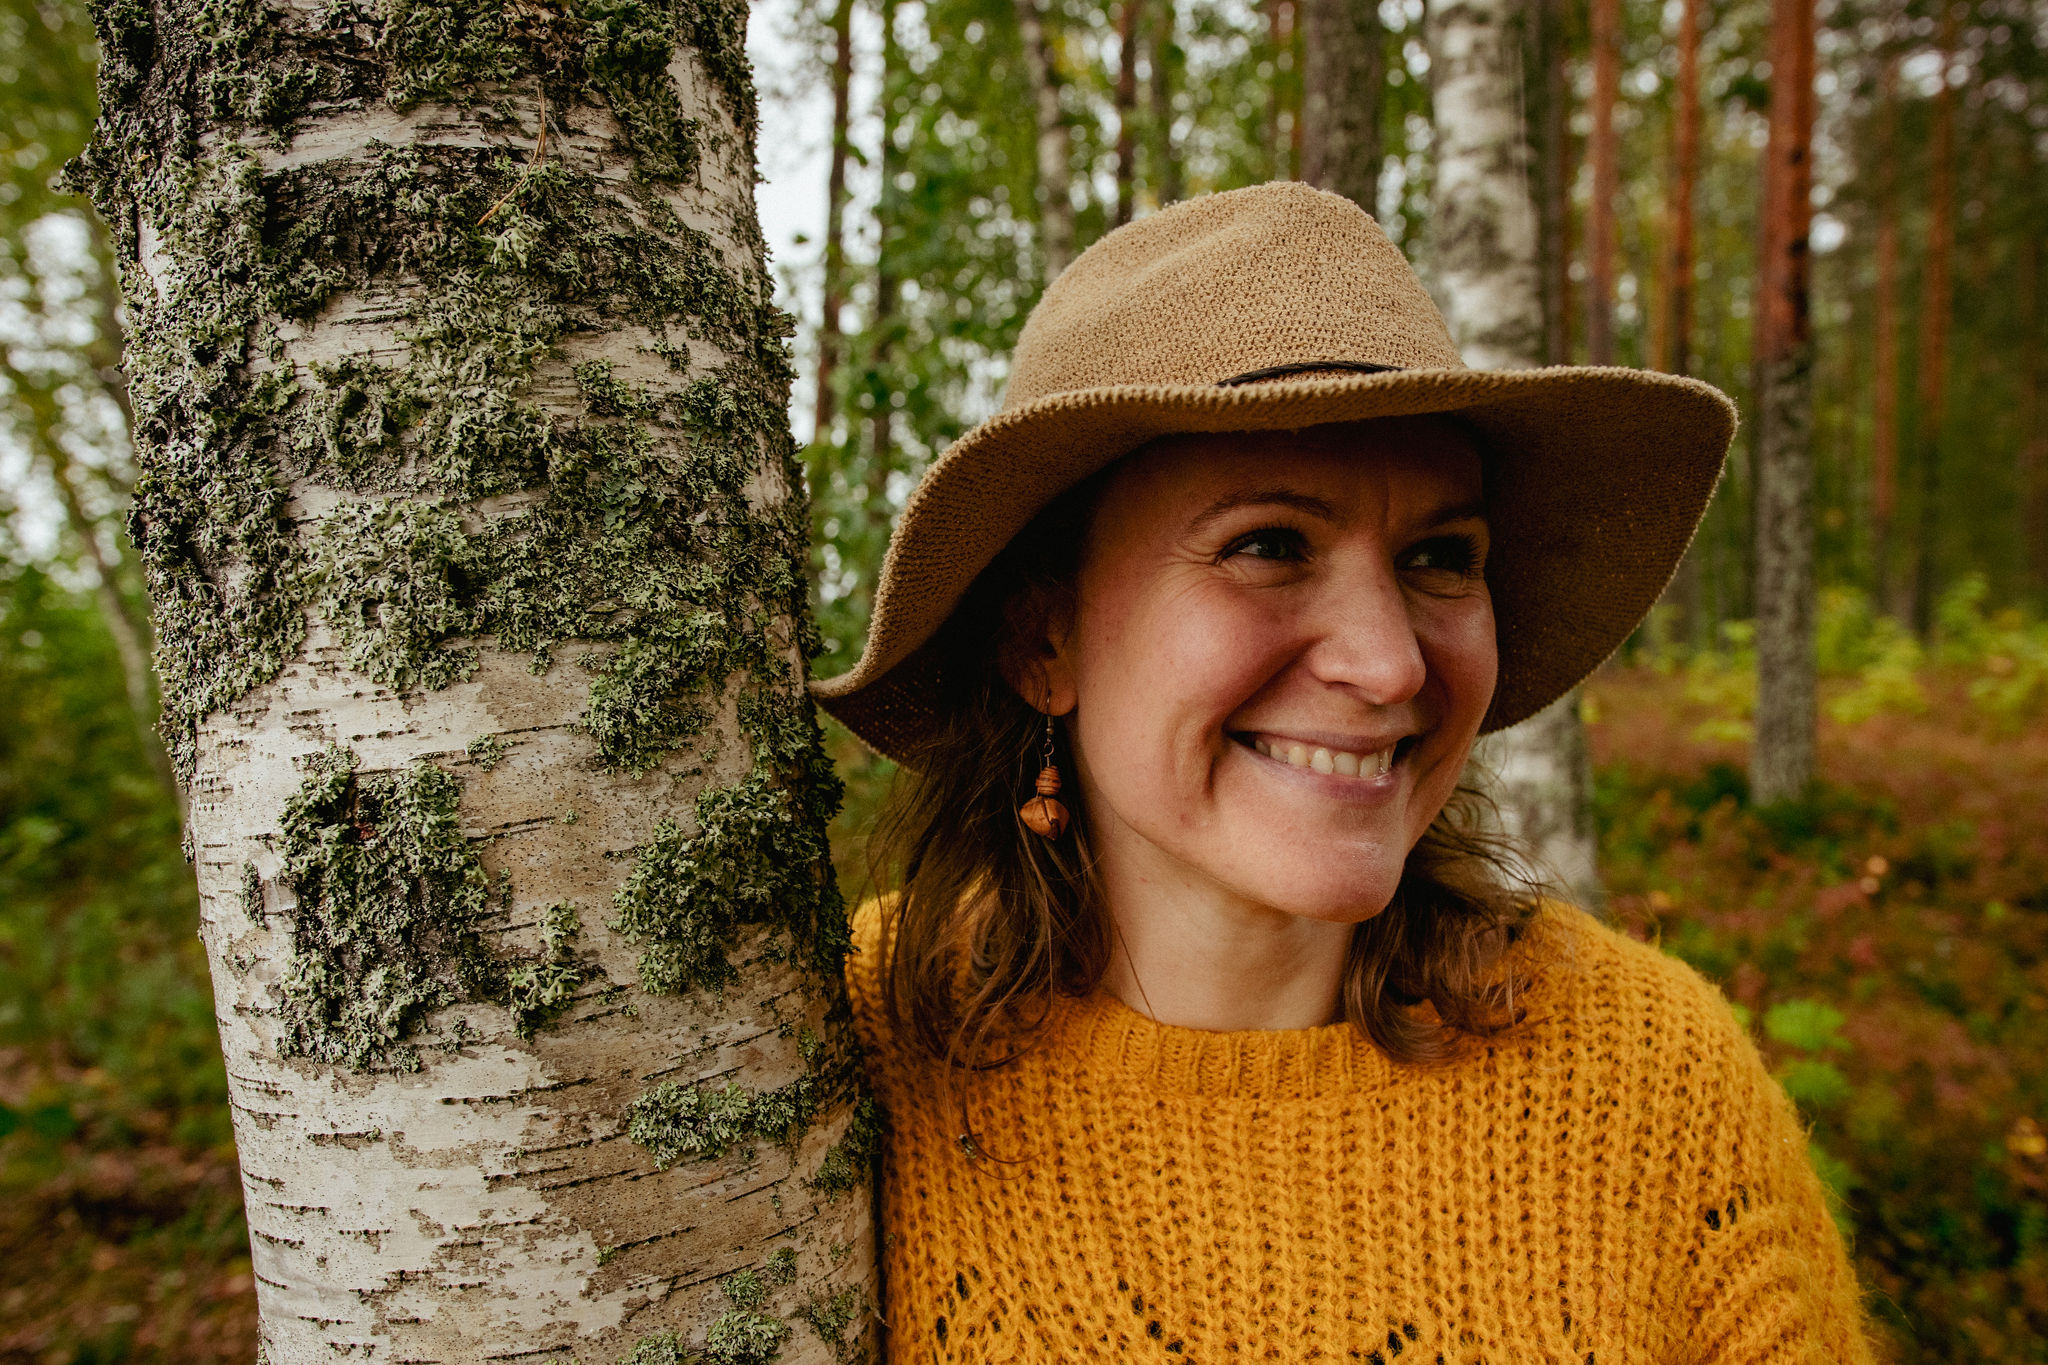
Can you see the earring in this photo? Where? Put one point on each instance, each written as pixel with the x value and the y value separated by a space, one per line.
pixel 1042 814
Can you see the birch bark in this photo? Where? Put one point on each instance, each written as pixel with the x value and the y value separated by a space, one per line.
pixel 469 511
pixel 1484 265
pixel 1054 145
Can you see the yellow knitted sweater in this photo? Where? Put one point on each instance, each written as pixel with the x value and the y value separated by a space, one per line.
pixel 1616 1180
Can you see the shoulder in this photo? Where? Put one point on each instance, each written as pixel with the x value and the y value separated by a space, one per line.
pixel 1645 1021
pixel 873 926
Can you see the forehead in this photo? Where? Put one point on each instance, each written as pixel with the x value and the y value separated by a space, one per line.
pixel 1392 465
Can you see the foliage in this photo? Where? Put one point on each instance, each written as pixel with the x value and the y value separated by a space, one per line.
pixel 1889 937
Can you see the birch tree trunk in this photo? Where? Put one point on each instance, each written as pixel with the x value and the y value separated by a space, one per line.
pixel 1055 143
pixel 1344 82
pixel 1781 757
pixel 470 516
pixel 1485 269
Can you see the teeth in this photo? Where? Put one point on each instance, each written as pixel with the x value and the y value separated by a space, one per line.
pixel 1343 764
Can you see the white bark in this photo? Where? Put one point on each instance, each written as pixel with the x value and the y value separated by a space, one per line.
pixel 491 1205
pixel 1484 267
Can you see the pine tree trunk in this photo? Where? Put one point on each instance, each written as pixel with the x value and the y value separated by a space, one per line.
pixel 1674 330
pixel 831 337
pixel 1605 153
pixel 1126 107
pixel 1167 174
pixel 1936 298
pixel 1884 404
pixel 1781 758
pixel 1485 269
pixel 1553 177
pixel 475 538
pixel 1344 82
pixel 1054 143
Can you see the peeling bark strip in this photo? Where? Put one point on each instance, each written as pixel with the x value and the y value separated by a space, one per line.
pixel 473 528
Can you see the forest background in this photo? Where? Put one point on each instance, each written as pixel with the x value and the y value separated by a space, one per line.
pixel 1887 935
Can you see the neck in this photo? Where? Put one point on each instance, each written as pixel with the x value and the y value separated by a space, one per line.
pixel 1191 953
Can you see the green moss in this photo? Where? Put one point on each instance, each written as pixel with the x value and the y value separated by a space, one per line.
pixel 691 1123
pixel 389 902
pixel 660 1348
pixel 487 751
pixel 388 924
pixel 743 1337
pixel 539 990
pixel 829 1315
pixel 850 1161
pixel 389 578
pixel 756 857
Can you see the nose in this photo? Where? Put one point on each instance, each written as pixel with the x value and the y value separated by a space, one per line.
pixel 1364 637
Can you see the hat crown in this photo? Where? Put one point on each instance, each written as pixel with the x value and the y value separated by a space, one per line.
pixel 1278 275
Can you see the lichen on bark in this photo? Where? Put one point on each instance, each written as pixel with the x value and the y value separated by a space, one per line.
pixel 388 913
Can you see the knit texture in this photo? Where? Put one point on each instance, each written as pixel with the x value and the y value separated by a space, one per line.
pixel 1615 1180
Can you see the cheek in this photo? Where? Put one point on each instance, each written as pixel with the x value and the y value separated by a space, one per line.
pixel 1162 674
pixel 1458 642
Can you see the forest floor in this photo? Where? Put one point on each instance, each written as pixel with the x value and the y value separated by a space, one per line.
pixel 1888 939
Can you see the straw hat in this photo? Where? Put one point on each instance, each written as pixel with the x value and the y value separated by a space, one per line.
pixel 1281 307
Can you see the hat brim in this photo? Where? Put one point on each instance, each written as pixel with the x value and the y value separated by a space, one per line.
pixel 1597 478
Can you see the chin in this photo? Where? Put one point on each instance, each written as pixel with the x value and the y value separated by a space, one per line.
pixel 1350 900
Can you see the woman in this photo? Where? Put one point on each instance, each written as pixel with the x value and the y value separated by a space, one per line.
pixel 1206 1022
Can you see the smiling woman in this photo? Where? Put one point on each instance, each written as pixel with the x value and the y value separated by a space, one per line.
pixel 1266 1052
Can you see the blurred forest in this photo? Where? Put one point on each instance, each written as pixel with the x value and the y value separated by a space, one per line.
pixel 1887 935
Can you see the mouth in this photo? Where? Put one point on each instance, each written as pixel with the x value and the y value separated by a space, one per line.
pixel 1320 758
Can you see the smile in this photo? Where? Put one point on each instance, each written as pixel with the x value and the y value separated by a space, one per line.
pixel 1341 762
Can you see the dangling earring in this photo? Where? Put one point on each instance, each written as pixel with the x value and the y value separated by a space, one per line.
pixel 1042 814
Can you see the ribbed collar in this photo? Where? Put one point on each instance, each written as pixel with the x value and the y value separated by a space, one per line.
pixel 1110 1040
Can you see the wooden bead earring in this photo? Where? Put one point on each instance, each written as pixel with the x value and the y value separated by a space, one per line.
pixel 1043 815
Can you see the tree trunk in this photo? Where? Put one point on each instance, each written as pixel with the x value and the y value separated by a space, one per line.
pixel 1344 82
pixel 472 523
pixel 830 336
pixel 1605 151
pixel 1884 403
pixel 1485 268
pixel 1675 333
pixel 1126 107
pixel 1553 178
pixel 2033 452
pixel 1781 758
pixel 882 330
pixel 1167 176
pixel 1055 143
pixel 1936 298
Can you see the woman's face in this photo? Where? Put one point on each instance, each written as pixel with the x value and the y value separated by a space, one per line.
pixel 1280 652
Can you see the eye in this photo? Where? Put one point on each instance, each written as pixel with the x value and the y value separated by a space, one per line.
pixel 1454 554
pixel 1269 542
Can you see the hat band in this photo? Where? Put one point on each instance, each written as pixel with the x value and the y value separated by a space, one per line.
pixel 1305 367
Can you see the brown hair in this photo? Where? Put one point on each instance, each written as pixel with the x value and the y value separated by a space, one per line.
pixel 992 920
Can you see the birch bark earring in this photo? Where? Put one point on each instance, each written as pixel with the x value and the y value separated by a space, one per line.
pixel 1042 814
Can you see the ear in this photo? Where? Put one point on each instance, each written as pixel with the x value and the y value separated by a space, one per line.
pixel 1036 654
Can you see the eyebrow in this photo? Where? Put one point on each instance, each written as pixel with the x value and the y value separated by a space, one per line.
pixel 1264 497
pixel 1474 509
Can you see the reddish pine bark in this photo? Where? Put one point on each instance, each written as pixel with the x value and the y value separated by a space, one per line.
pixel 1936 299
pixel 831 337
pixel 1126 106
pixel 1606 154
pixel 1675 331
pixel 1884 406
pixel 1781 758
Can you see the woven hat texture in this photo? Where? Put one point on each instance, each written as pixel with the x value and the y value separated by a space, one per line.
pixel 1276 308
